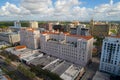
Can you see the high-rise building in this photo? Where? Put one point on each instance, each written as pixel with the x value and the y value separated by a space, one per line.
pixel 30 38
pixel 73 48
pixel 110 58
pixel 33 24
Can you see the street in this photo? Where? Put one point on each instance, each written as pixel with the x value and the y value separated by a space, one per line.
pixel 91 69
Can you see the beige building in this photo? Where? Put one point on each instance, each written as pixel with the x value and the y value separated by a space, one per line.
pixel 30 37
pixel 33 24
pixel 11 37
pixel 73 48
pixel 99 29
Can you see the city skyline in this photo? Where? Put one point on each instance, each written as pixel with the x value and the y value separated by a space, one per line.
pixel 63 10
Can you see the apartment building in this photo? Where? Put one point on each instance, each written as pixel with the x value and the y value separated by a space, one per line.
pixel 73 48
pixel 110 58
pixel 30 37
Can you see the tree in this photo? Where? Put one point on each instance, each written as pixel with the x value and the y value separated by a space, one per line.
pixel 26 71
pixel 8 61
pixel 46 74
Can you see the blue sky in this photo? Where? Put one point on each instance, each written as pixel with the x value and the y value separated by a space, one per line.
pixel 86 3
pixel 93 3
pixel 59 9
pixel 2 2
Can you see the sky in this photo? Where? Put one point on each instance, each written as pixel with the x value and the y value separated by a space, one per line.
pixel 60 10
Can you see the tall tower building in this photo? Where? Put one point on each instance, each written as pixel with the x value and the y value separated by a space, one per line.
pixel 30 38
pixel 110 58
pixel 33 24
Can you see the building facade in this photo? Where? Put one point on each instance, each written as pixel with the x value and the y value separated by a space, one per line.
pixel 80 30
pixel 11 37
pixel 33 24
pixel 73 48
pixel 99 29
pixel 110 58
pixel 30 37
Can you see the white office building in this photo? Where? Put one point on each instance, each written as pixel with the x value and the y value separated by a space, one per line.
pixel 110 58
pixel 73 48
pixel 30 37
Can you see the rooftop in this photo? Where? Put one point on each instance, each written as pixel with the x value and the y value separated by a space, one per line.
pixel 29 58
pixel 43 61
pixel 54 65
pixel 77 36
pixel 61 68
pixel 71 73
pixel 20 47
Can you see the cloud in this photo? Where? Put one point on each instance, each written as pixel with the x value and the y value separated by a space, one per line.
pixel 58 10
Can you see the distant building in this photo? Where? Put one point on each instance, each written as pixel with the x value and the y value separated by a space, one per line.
pixel 58 27
pixel 17 24
pixel 73 48
pixel 99 29
pixel 50 26
pixel 80 30
pixel 33 24
pixel 11 37
pixel 110 57
pixel 30 37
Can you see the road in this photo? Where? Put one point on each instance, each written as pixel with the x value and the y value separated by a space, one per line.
pixel 19 75
pixel 91 69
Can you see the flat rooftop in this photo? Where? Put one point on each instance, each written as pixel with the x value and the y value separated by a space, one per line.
pixel 20 51
pixel 54 65
pixel 43 61
pixel 61 68
pixel 71 73
pixel 36 55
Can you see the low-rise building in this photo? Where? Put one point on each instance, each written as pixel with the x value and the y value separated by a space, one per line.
pixel 21 51
pixel 73 73
pixel 11 37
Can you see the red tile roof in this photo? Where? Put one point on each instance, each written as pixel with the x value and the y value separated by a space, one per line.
pixel 20 47
pixel 77 36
